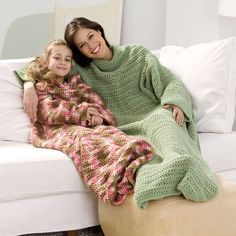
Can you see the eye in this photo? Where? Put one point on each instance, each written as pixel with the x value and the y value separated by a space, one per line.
pixel 56 58
pixel 91 36
pixel 81 45
pixel 68 60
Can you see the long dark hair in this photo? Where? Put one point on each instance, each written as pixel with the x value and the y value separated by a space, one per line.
pixel 72 28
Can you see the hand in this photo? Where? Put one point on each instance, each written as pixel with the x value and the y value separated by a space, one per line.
pixel 177 113
pixel 30 101
pixel 94 116
pixel 96 120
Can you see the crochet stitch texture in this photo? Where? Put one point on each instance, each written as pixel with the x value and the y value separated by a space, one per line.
pixel 135 86
pixel 106 158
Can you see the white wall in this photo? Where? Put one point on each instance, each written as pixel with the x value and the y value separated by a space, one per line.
pixel 144 23
pixel 21 24
pixel 107 12
pixel 152 23
pixel 26 26
pixel 191 21
pixel 155 23
pixel 227 26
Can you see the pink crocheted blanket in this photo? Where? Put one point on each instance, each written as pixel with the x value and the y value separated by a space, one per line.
pixel 106 158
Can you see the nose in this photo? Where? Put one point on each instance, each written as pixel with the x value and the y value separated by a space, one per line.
pixel 62 61
pixel 90 45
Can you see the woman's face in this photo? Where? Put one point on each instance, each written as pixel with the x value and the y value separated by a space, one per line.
pixel 91 44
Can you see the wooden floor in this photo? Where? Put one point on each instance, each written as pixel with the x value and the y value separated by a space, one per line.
pixel 92 231
pixel 73 233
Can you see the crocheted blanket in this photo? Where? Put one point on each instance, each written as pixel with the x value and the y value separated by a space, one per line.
pixel 135 86
pixel 106 158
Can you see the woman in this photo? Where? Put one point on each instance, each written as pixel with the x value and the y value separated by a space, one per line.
pixel 148 101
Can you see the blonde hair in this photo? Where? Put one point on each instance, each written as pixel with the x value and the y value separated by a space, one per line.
pixel 37 69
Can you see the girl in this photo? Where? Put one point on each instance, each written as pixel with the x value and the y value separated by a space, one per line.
pixel 72 118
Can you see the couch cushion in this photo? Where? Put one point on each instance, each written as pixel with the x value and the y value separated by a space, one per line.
pixel 208 70
pixel 13 121
pixel 28 172
pixel 219 152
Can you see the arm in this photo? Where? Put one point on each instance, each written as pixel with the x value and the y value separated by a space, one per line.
pixel 55 111
pixel 30 100
pixel 50 111
pixel 168 89
pixel 104 112
pixel 175 96
pixel 97 109
pixel 30 97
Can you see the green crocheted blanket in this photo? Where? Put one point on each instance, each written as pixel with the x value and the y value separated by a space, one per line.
pixel 135 86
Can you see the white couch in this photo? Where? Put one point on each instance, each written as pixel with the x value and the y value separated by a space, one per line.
pixel 40 189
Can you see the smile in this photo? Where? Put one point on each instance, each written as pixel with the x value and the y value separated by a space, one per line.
pixel 96 49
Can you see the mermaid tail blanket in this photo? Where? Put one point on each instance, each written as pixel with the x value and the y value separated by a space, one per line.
pixel 106 158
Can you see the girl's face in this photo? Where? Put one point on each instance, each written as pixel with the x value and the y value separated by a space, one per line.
pixel 91 44
pixel 60 61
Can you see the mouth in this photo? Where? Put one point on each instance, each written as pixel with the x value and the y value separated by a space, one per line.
pixel 61 68
pixel 96 49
